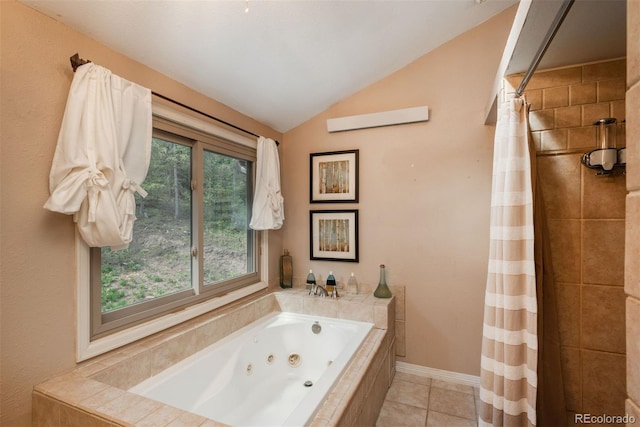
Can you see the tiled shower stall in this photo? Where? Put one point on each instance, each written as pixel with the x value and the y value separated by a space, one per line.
pixel 586 222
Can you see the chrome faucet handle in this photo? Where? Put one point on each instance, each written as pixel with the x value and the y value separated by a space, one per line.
pixel 322 291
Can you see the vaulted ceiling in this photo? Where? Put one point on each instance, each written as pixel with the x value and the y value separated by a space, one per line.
pixel 283 61
pixel 279 62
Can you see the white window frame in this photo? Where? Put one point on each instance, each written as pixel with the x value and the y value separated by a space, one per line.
pixel 87 348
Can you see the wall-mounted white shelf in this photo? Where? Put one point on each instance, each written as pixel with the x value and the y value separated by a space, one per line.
pixel 385 118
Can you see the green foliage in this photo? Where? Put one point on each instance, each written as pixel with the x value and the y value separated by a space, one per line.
pixel 225 191
pixel 112 298
pixel 158 260
pixel 140 293
pixel 108 275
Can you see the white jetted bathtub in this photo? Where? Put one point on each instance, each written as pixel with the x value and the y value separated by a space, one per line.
pixel 274 372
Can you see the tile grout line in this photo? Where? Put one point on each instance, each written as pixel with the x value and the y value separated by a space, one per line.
pixel 430 388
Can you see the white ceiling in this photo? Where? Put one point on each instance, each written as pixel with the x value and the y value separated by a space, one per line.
pixel 282 62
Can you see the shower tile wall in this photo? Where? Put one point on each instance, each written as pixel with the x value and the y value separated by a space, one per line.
pixel 632 273
pixel 586 221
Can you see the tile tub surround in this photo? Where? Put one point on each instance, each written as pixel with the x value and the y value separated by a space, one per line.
pixel 398 291
pixel 96 393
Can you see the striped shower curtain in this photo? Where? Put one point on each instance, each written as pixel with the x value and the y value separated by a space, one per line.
pixel 510 344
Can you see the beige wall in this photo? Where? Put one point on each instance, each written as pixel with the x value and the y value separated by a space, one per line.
pixel 424 196
pixel 37 246
pixel 424 193
pixel 632 268
pixel 586 216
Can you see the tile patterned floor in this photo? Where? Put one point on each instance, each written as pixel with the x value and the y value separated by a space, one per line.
pixel 414 401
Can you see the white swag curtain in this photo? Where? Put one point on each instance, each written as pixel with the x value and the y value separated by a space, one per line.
pixel 102 155
pixel 268 203
pixel 510 345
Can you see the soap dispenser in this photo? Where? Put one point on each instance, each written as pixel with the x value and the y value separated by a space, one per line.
pixel 605 156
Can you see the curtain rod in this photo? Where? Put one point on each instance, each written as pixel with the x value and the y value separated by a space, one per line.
pixel 76 61
pixel 562 13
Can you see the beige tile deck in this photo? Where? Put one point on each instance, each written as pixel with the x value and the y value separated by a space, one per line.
pixel 414 401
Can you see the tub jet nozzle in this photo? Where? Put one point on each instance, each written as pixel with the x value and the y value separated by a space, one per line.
pixel 294 360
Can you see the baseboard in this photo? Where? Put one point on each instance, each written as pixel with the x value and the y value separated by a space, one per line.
pixel 439 374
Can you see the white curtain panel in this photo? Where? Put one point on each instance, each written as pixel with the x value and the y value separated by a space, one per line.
pixel 102 155
pixel 268 203
pixel 510 343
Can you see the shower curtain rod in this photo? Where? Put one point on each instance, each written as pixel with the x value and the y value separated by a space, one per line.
pixel 76 61
pixel 562 13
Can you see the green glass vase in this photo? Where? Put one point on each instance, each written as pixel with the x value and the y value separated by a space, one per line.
pixel 382 291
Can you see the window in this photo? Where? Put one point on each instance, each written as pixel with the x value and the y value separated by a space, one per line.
pixel 191 240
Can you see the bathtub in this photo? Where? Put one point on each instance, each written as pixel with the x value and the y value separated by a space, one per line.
pixel 276 371
pixel 97 391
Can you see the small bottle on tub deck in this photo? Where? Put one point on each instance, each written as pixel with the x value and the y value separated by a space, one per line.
pixel 382 291
pixel 286 270
pixel 331 284
pixel 311 282
pixel 352 285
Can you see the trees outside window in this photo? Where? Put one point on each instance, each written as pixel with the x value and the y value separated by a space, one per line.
pixel 191 239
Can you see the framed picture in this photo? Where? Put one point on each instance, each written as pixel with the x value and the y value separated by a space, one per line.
pixel 334 177
pixel 334 235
